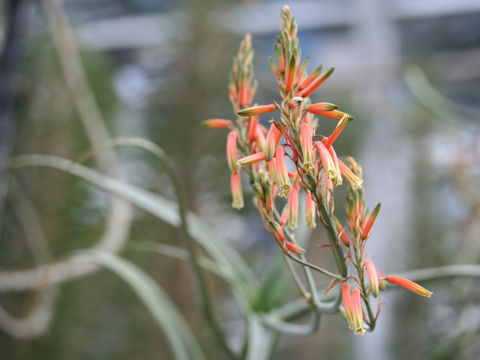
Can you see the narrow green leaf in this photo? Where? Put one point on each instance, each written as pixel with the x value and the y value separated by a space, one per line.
pixel 178 253
pixel 243 281
pixel 183 343
pixel 261 339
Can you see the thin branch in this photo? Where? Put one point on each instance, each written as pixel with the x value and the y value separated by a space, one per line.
pixel 315 267
pixel 301 288
pixel 289 328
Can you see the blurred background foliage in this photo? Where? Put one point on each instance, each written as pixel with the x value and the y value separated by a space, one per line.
pixel 407 70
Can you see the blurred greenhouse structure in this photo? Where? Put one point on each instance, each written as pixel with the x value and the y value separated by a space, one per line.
pixel 408 70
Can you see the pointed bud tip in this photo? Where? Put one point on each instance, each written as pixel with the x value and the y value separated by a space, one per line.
pixel 330 71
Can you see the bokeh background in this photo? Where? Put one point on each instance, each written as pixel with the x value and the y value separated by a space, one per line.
pixel 408 70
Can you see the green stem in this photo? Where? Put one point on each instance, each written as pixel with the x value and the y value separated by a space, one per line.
pixel 366 300
pixel 302 260
pixel 315 267
pixel 301 288
pixel 289 328
pixel 333 237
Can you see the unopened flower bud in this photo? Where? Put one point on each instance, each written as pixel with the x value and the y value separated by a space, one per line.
pixel 257 110
pixel 232 151
pixel 409 285
pixel 341 231
pixel 273 138
pixel 277 230
pixel 217 123
pixel 372 277
pixel 252 159
pixel 294 248
pixel 236 188
pixel 310 210
pixel 315 84
pixel 368 222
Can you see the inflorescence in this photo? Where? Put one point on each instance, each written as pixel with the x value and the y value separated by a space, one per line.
pixel 295 139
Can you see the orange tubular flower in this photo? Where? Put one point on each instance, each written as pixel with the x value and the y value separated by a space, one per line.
pixel 357 312
pixel 310 210
pixel 293 205
pixel 316 84
pixel 347 303
pixel 273 138
pixel 337 181
pixel 368 223
pixel 353 180
pixel 331 170
pixel 232 151
pixel 273 66
pixel 341 231
pixel 251 93
pixel 252 128
pixel 372 277
pixel 272 172
pixel 409 285
pixel 334 135
pixel 260 139
pixel 252 159
pixel 308 80
pixel 257 110
pixel 277 230
pixel 294 248
pixel 322 106
pixel 241 94
pixel 332 114
pixel 280 57
pixel 307 147
pixel 301 70
pixel 290 74
pixel 236 188
pixel 217 123
pixel 284 185
pixel 285 215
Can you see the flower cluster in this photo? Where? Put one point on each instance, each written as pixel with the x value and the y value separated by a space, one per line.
pixel 291 156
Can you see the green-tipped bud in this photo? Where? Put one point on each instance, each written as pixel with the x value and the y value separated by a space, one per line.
pixel 316 83
pixel 311 77
pixel 273 138
pixel 279 53
pixel 273 66
pixel 257 110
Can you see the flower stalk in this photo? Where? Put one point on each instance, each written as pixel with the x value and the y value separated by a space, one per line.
pixel 291 158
